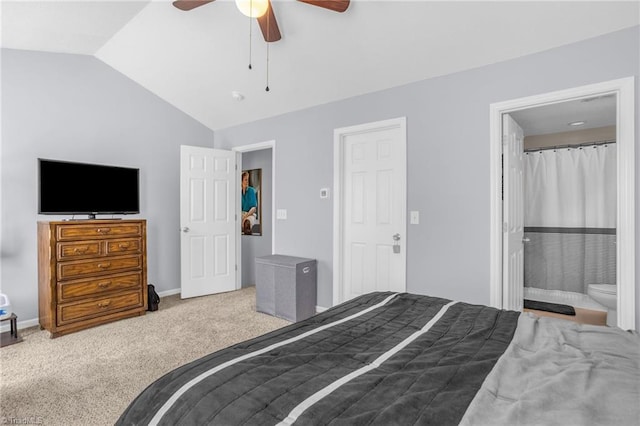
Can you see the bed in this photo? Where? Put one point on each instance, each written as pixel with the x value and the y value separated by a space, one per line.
pixel 398 358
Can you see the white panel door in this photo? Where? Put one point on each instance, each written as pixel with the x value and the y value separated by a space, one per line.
pixel 208 191
pixel 374 209
pixel 513 214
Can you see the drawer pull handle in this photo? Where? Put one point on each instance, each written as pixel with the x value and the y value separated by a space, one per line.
pixel 123 245
pixel 81 250
pixel 306 270
pixel 104 265
pixel 104 230
pixel 104 305
pixel 104 285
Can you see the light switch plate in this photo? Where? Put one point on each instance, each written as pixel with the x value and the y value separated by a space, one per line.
pixel 281 214
pixel 415 217
pixel 324 192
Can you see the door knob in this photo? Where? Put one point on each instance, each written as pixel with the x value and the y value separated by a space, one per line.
pixel 396 243
pixel 185 229
pixel 526 240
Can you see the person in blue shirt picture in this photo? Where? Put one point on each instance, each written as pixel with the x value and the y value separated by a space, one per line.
pixel 249 205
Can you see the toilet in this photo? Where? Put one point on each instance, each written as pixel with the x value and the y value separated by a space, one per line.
pixel 606 295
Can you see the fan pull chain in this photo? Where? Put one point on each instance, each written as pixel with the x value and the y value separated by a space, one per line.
pixel 268 20
pixel 249 43
pixel 267 88
pixel 251 7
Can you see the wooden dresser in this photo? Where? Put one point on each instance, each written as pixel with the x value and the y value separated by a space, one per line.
pixel 90 272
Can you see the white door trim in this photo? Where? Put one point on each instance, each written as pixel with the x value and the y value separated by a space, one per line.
pixel 338 178
pixel 248 148
pixel 625 256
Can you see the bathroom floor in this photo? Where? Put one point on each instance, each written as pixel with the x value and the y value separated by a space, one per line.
pixel 588 311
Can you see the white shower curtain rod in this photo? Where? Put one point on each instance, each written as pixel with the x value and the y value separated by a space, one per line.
pixel 579 145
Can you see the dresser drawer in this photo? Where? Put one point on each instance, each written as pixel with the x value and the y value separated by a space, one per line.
pixel 83 310
pixel 97 287
pixel 89 231
pixel 124 246
pixel 79 249
pixel 106 265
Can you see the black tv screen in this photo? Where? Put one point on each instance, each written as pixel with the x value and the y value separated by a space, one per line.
pixel 82 188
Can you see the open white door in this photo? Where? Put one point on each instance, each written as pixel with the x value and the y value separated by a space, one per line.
pixel 513 214
pixel 208 191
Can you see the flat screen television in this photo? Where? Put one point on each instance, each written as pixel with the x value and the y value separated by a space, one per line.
pixel 82 188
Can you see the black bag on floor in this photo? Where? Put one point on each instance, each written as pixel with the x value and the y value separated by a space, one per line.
pixel 153 298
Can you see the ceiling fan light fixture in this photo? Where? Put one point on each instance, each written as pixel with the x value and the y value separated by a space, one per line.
pixel 253 8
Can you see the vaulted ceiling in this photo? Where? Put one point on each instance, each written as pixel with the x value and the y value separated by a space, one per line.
pixel 196 59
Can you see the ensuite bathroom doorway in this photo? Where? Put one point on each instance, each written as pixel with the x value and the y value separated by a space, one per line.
pixel 569 208
pixel 600 206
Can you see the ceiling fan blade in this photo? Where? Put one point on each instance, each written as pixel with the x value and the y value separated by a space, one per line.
pixel 335 5
pixel 190 4
pixel 269 26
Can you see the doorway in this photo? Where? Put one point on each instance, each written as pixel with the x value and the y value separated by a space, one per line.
pixel 569 204
pixel 257 161
pixel 618 94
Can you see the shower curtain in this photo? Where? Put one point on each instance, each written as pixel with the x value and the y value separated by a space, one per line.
pixel 570 217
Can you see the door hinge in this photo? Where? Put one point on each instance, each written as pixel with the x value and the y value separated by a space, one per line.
pixel 505 227
pixel 236 267
pixel 236 217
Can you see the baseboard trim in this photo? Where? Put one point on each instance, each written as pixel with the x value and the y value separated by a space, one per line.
pixel 21 324
pixel 34 321
pixel 177 291
pixel 169 292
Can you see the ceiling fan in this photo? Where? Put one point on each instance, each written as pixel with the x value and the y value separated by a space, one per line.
pixel 262 10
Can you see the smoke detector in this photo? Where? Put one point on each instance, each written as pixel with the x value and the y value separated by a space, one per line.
pixel 237 95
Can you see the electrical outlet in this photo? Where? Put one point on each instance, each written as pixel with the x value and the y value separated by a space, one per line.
pixel 281 214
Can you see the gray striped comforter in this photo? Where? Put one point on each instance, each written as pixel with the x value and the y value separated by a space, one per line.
pixel 379 359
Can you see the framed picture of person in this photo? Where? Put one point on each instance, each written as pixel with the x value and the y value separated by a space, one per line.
pixel 250 193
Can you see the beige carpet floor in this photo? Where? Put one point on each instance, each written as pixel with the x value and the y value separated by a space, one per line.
pixel 90 377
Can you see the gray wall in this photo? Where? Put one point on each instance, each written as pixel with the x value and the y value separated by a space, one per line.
pixel 448 160
pixel 76 108
pixel 257 246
